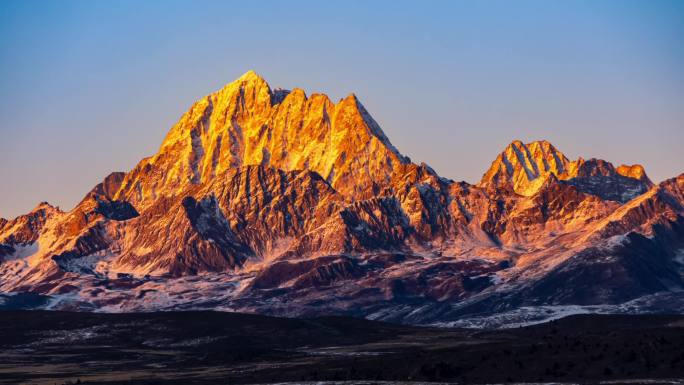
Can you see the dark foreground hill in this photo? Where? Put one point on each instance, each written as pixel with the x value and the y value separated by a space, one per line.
pixel 227 348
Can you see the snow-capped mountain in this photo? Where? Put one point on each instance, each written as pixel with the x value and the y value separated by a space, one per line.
pixel 276 202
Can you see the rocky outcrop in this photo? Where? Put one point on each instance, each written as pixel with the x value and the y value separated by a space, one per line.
pixel 25 229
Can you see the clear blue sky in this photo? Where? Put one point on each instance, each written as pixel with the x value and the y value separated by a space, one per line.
pixel 90 87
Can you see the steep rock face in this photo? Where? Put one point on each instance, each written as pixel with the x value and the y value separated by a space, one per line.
pixel 110 185
pixel 662 205
pixel 615 274
pixel 25 228
pixel 268 208
pixel 19 235
pixel 556 208
pixel 598 177
pixel 179 237
pixel 524 168
pixel 368 225
pixel 245 123
pixel 251 213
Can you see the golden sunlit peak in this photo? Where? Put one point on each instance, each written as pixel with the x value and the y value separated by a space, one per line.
pixel 635 171
pixel 350 98
pixel 542 143
pixel 43 205
pixel 250 75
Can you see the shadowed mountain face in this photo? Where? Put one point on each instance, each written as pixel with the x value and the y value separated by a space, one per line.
pixel 281 203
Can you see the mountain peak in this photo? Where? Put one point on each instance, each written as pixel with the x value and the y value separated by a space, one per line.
pixel 44 206
pixel 250 75
pixel 635 171
pixel 247 86
pixel 526 166
pixel 245 123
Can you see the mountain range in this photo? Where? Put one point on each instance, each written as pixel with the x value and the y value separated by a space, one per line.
pixel 274 202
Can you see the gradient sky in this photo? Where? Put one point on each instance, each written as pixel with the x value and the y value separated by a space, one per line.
pixel 91 87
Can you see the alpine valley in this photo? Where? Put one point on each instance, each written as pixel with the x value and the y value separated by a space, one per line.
pixel 270 201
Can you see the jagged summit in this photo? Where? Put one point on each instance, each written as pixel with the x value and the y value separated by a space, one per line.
pixel 635 171
pixel 250 75
pixel 43 206
pixel 244 123
pixel 525 168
